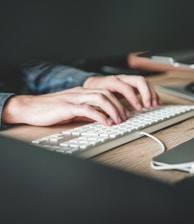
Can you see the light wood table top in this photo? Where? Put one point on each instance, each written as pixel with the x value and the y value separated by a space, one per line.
pixel 134 156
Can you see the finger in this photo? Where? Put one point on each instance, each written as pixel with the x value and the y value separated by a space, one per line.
pixel 130 95
pixel 118 86
pixel 123 111
pixel 67 112
pixel 106 105
pixel 148 94
pixel 102 99
pixel 155 99
pixel 144 88
pixel 90 112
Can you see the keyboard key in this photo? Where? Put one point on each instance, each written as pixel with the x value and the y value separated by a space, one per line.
pixel 94 138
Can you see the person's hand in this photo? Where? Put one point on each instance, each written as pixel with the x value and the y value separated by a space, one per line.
pixel 64 107
pixel 129 87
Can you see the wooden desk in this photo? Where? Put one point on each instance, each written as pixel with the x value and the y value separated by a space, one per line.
pixel 136 155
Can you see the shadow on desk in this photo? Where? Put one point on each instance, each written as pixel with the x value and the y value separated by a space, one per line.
pixel 40 186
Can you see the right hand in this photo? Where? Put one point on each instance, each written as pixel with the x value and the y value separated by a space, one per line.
pixel 64 107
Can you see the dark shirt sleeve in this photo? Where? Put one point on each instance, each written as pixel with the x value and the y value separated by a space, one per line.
pixel 3 98
pixel 48 77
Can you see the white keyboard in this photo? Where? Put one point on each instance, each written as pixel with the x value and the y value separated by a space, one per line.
pixel 94 138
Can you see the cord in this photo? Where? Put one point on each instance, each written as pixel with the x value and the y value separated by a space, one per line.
pixel 183 167
pixel 155 139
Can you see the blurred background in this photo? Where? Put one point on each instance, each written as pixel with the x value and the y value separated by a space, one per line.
pixel 72 29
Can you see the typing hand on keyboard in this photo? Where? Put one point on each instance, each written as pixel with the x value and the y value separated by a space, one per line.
pixel 94 138
pixel 97 100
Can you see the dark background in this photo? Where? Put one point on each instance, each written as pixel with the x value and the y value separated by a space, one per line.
pixel 70 29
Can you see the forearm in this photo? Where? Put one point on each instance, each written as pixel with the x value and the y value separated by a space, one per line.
pixel 39 79
pixel 64 107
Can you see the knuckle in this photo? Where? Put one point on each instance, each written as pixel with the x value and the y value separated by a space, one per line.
pixel 100 96
pixel 82 108
pixel 78 88
pixel 148 99
pixel 141 79
pixel 86 107
pixel 106 92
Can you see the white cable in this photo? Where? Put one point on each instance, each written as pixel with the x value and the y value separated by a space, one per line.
pixel 155 139
pixel 183 167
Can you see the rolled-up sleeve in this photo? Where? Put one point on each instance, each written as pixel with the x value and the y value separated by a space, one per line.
pixel 47 77
pixel 3 98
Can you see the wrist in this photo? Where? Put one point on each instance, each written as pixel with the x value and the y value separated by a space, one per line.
pixel 7 113
pixel 11 113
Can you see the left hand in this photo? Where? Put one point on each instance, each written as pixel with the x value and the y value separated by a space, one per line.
pixel 129 87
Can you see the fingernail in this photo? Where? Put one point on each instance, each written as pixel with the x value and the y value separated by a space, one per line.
pixel 128 114
pixel 147 104
pixel 139 107
pixel 119 120
pixel 154 103
pixel 109 121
